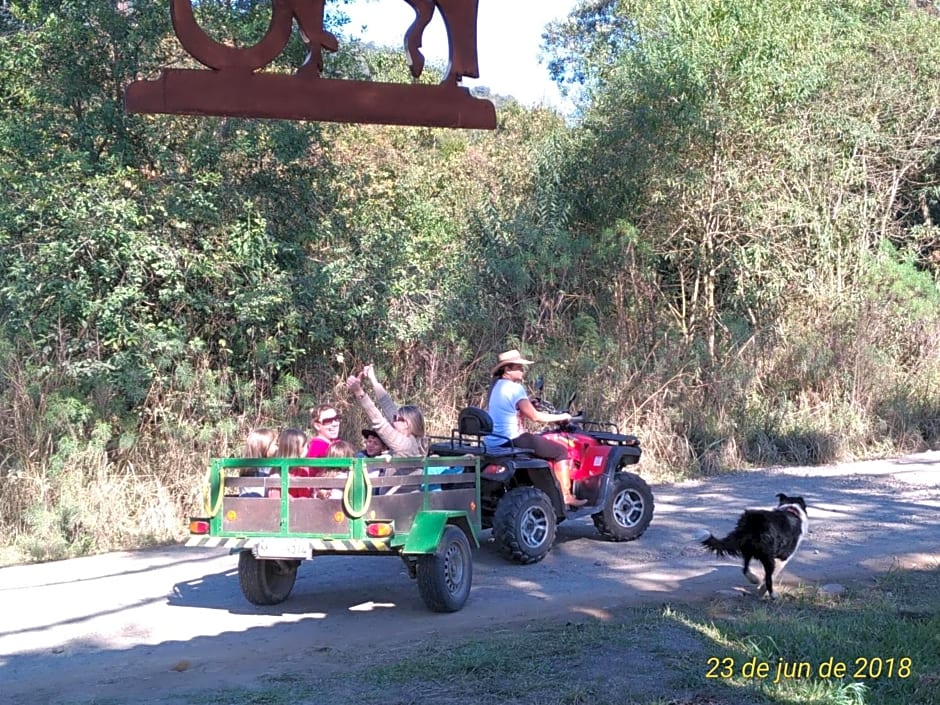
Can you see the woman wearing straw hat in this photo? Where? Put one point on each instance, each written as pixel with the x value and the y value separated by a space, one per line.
pixel 509 404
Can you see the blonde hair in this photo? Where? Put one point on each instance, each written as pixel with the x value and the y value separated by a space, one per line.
pixel 292 443
pixel 415 420
pixel 260 443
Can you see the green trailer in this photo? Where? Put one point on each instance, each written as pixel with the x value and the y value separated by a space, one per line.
pixel 425 511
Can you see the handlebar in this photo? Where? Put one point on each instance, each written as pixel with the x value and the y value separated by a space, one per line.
pixel 576 423
pixel 568 425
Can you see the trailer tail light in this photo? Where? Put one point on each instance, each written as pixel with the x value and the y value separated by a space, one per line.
pixel 493 469
pixel 199 526
pixel 379 530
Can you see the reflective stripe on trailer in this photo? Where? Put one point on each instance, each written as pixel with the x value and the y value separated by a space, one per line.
pixel 349 545
pixel 218 542
pixel 317 545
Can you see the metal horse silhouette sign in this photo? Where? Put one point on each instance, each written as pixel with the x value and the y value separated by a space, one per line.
pixel 234 85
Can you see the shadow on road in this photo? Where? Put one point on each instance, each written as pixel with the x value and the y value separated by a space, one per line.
pixel 181 620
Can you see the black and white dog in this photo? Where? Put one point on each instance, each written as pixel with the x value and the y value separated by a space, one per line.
pixel 769 535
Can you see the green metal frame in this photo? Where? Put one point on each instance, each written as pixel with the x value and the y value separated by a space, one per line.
pixel 427 526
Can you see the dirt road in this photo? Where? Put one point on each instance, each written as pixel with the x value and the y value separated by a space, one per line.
pixel 139 626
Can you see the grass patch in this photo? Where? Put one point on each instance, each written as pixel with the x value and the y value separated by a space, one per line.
pixel 875 645
pixel 886 635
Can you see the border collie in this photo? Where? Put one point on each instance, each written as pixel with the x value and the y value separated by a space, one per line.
pixel 769 535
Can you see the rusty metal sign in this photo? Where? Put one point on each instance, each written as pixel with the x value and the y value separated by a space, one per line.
pixel 234 85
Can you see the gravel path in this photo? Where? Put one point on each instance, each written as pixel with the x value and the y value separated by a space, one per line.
pixel 140 626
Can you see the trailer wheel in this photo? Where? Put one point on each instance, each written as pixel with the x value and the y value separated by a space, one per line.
pixel 628 509
pixel 265 581
pixel 444 577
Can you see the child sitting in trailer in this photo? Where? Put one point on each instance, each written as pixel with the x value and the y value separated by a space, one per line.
pixel 338 449
pixel 292 443
pixel 372 445
pixel 260 443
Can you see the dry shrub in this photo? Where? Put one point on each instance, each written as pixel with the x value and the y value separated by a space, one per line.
pixel 26 439
pixel 821 387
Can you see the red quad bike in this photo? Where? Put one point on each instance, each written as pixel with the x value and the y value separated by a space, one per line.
pixel 520 498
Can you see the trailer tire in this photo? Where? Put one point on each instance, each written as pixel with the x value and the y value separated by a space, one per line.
pixel 444 577
pixel 265 581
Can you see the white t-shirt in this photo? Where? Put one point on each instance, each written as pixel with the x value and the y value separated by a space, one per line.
pixel 504 411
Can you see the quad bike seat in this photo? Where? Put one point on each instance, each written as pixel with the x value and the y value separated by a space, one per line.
pixel 474 421
pixel 473 425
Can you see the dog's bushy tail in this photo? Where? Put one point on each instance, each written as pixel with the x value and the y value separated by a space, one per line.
pixel 728 546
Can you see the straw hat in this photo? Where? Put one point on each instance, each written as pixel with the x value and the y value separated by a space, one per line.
pixel 510 357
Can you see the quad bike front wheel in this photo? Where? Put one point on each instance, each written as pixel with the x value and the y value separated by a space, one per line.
pixel 444 576
pixel 524 525
pixel 268 581
pixel 628 509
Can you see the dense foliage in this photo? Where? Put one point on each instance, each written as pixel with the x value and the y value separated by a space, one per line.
pixel 733 250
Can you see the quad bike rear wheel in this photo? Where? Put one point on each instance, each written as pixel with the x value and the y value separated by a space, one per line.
pixel 524 525
pixel 268 581
pixel 628 509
